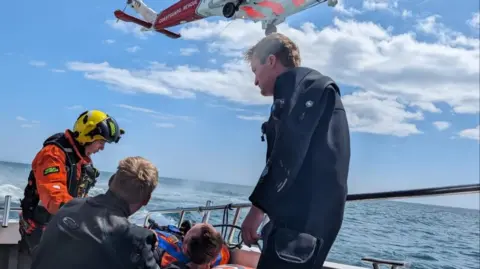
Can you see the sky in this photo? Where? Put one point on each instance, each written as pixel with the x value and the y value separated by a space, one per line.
pixel 408 71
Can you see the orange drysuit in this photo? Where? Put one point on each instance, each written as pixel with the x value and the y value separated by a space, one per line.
pixel 51 175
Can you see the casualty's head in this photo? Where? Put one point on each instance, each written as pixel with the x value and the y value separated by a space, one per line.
pixel 94 128
pixel 134 181
pixel 270 57
pixel 202 243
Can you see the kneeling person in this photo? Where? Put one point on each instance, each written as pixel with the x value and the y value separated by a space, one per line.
pixel 95 233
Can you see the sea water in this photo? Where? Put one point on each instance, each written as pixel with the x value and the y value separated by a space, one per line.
pixel 426 236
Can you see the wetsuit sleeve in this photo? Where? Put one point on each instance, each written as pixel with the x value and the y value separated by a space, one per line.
pixel 143 244
pixel 51 178
pixel 293 142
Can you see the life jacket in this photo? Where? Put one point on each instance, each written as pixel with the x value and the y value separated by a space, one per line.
pixel 170 244
pixel 81 177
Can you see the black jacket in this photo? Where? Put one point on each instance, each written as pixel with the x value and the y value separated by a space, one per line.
pixel 95 233
pixel 304 184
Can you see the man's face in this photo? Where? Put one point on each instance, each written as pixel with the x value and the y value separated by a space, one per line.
pixel 94 147
pixel 265 74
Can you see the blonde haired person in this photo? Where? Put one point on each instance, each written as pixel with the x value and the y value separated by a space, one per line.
pixel 95 232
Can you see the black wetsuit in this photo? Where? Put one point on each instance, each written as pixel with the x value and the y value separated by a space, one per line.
pixel 303 188
pixel 95 233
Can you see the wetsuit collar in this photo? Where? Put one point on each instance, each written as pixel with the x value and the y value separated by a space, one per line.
pixel 112 201
pixel 119 202
pixel 285 84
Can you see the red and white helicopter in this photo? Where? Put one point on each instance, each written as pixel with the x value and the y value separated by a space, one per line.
pixel 269 12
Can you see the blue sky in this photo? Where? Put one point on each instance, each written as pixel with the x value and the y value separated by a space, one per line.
pixel 408 71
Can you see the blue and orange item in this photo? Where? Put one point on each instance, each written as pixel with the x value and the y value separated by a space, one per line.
pixel 170 247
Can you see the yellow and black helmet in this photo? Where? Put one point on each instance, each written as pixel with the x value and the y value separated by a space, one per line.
pixel 95 125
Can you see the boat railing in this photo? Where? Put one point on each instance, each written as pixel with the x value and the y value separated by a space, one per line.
pixel 209 207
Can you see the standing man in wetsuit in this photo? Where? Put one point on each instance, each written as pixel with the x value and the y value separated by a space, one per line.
pixel 303 187
pixel 62 170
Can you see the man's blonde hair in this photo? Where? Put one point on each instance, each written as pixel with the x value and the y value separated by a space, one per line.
pixel 276 44
pixel 135 180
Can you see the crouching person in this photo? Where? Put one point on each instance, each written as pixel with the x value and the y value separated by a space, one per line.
pixel 95 232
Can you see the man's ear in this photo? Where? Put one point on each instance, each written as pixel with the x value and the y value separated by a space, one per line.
pixel 271 60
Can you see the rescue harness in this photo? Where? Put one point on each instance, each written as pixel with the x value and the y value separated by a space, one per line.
pixel 76 187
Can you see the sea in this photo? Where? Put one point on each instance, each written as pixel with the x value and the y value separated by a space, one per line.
pixel 425 236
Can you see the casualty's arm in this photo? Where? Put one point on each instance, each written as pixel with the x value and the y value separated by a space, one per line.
pixel 245 258
pixel 51 178
pixel 293 142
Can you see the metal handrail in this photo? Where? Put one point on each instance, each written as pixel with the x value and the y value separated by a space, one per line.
pixel 206 210
pixel 447 190
pixel 457 189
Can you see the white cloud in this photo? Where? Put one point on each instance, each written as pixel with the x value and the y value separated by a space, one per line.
pixel 380 114
pixel 474 22
pixel 164 125
pixel 441 125
pixel 254 117
pixel 109 41
pixel 142 80
pixel 350 11
pixel 473 133
pixel 133 49
pixel 406 13
pixel 188 51
pixel 376 4
pixel 155 114
pixel 27 123
pixel 74 107
pixel 397 77
pixel 445 35
pixel 228 107
pixel 58 70
pixel 381 5
pixel 37 63
pixel 129 28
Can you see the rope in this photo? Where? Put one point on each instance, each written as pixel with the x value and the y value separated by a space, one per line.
pixel 225 224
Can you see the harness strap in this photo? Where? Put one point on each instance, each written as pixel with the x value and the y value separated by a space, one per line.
pixel 71 166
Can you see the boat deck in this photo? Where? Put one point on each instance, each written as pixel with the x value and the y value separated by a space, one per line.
pixel 11 258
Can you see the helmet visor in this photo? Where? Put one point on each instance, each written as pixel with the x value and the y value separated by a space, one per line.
pixel 109 130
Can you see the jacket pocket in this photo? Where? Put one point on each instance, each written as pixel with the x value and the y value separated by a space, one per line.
pixel 295 247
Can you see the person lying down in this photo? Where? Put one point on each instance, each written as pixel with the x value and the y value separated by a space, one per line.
pixel 198 246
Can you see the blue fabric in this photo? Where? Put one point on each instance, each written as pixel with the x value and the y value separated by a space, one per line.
pixel 177 254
